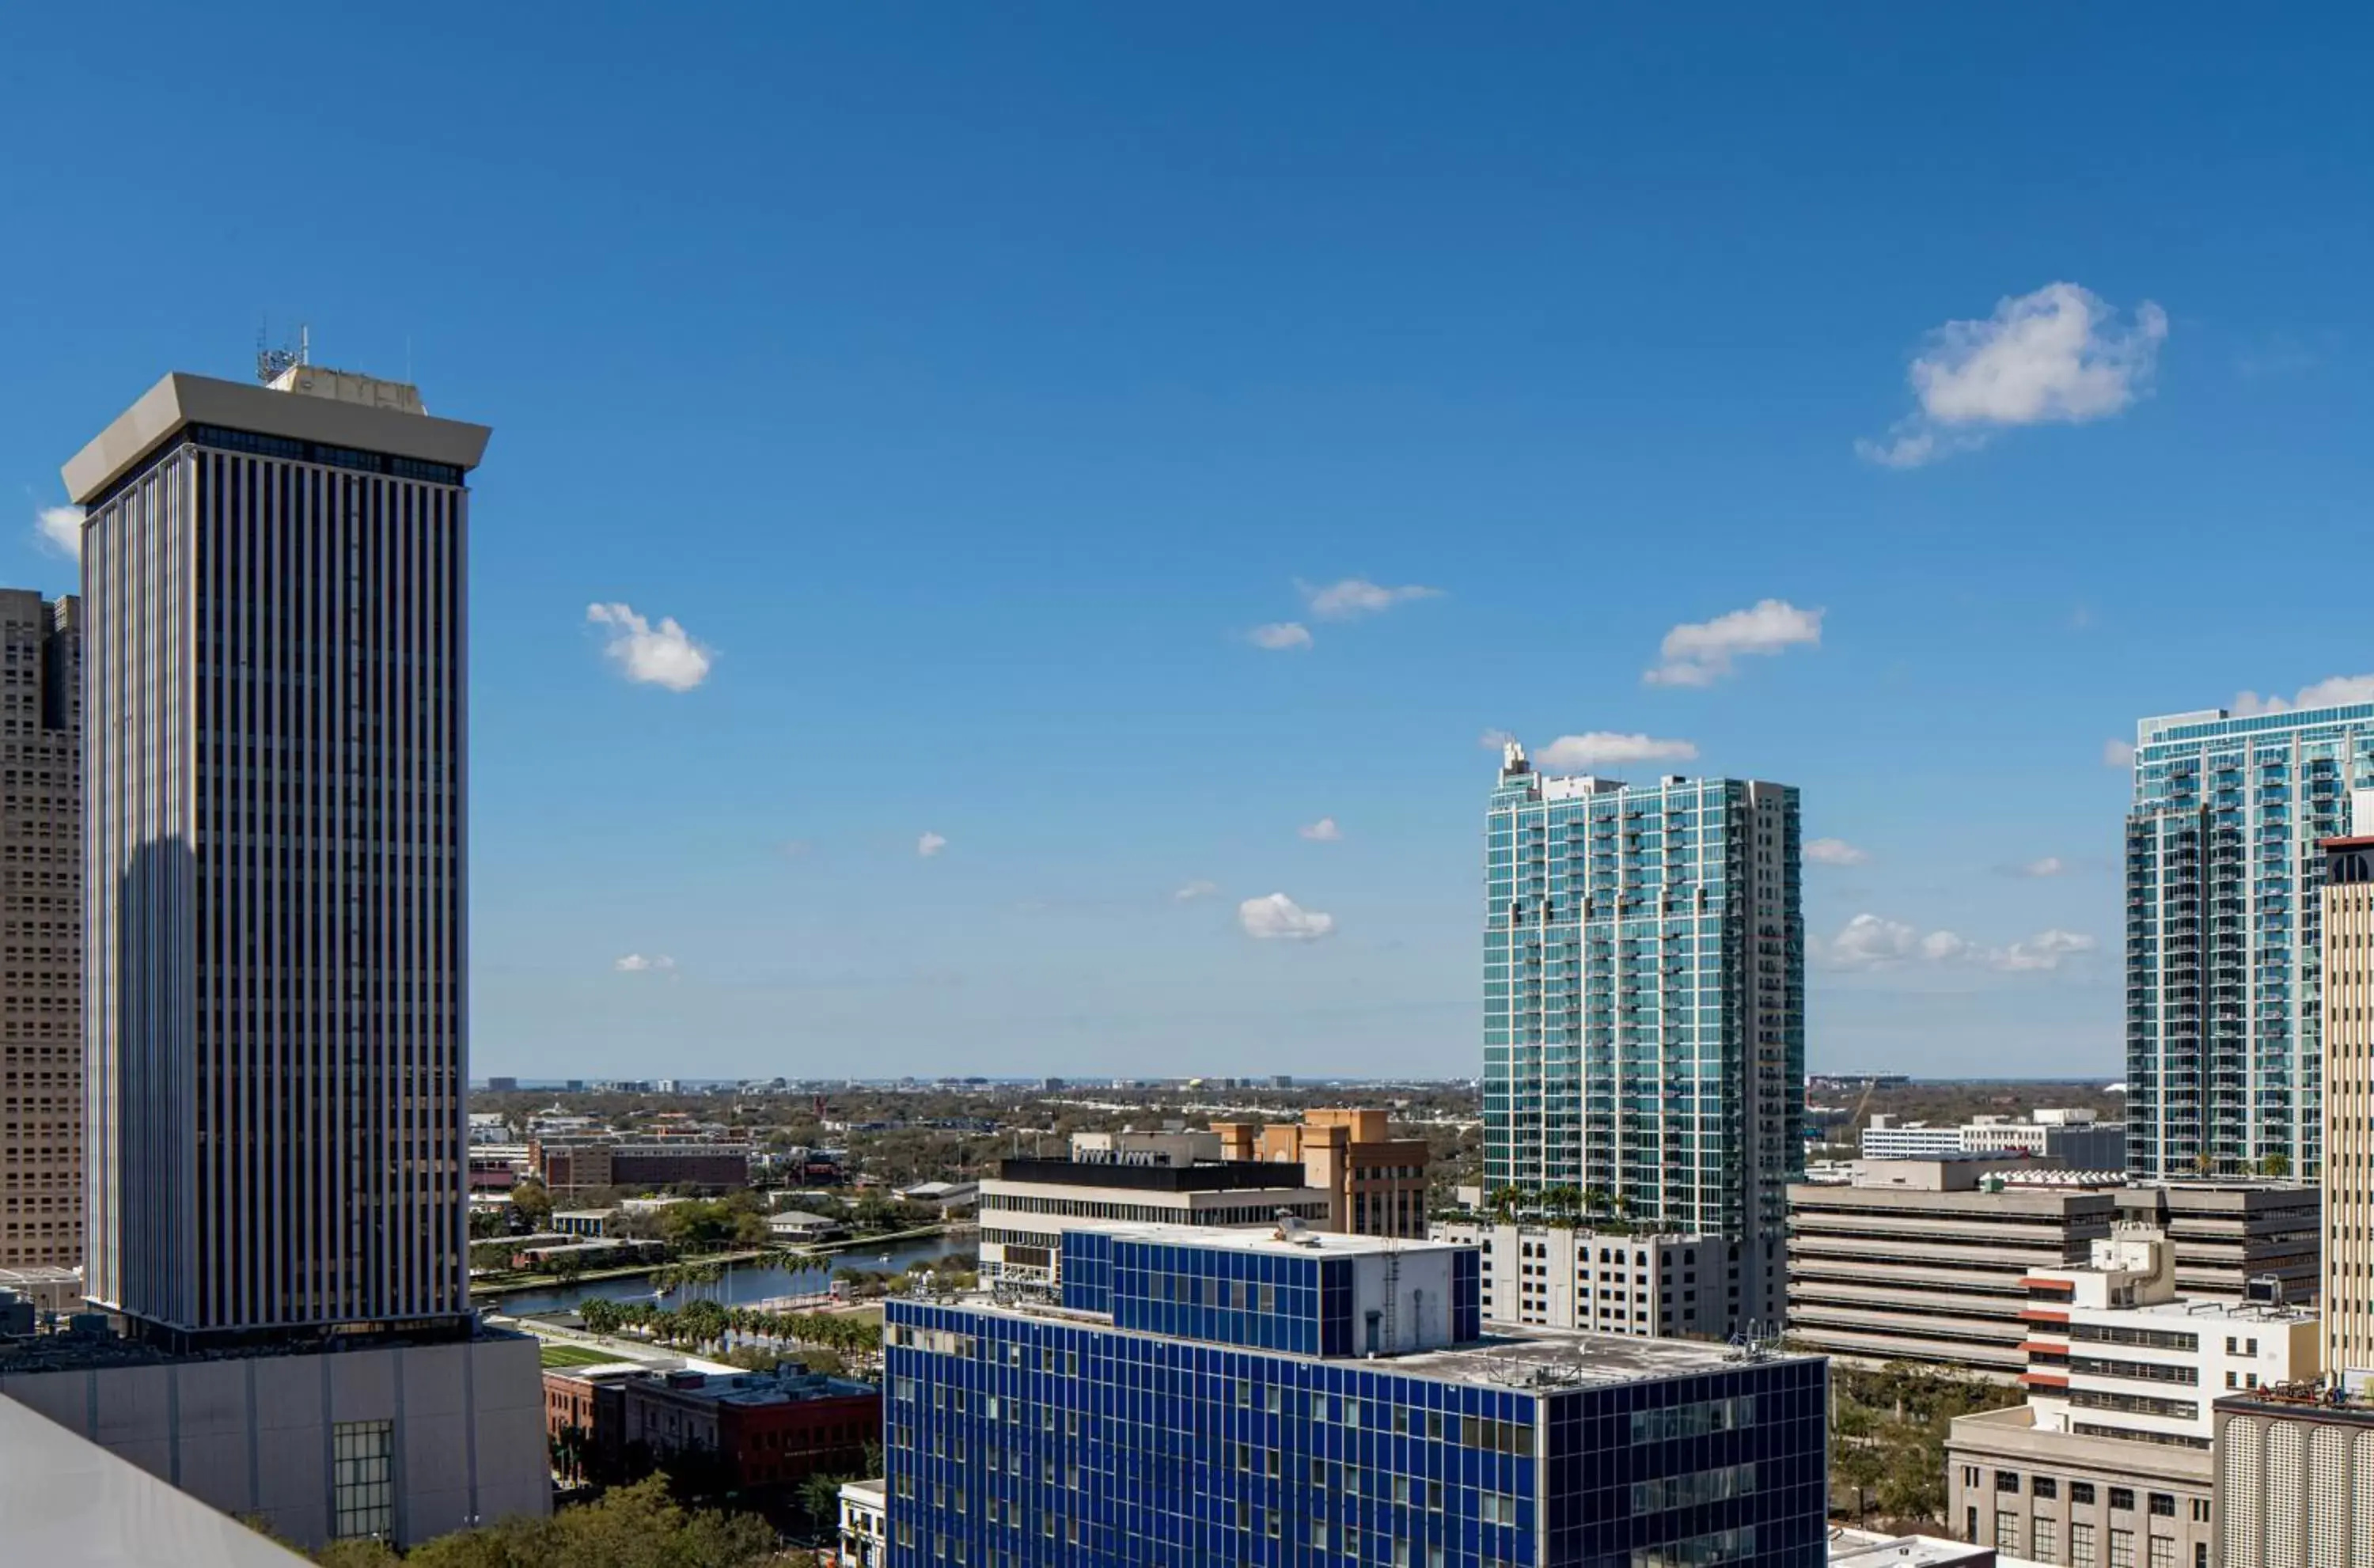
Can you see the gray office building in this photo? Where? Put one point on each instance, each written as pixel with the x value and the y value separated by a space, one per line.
pixel 41 918
pixel 276 980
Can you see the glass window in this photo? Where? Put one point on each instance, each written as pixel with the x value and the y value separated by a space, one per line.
pixel 363 1489
pixel 2123 1548
pixel 2081 1544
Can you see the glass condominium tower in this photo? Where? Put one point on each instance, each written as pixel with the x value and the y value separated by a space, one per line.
pixel 2223 870
pixel 275 862
pixel 1644 1005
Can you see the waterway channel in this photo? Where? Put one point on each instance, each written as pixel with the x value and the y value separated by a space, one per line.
pixel 743 1282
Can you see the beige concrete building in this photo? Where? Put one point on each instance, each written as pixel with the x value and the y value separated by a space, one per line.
pixel 2294 1483
pixel 2083 1502
pixel 2231 1233
pixel 41 923
pixel 1924 1261
pixel 2347 1294
pixel 402 1442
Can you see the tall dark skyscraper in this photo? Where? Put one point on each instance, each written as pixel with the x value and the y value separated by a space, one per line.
pixel 40 917
pixel 275 866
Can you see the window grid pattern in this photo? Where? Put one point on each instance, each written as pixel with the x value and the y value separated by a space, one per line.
pixel 362 1496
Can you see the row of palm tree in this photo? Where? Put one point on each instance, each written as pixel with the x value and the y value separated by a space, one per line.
pixel 704 1322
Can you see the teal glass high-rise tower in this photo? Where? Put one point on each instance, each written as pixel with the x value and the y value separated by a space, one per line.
pixel 1644 1005
pixel 2224 1033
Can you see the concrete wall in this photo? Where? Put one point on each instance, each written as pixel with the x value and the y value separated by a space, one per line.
pixel 251 1436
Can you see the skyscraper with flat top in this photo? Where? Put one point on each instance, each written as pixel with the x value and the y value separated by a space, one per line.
pixel 2347 1276
pixel 276 948
pixel 1644 1007
pixel 2224 1052
pixel 40 917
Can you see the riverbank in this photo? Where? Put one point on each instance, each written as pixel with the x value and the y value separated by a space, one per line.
pixel 788 1257
pixel 746 1282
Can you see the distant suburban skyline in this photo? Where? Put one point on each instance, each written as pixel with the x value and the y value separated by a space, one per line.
pixel 1013 539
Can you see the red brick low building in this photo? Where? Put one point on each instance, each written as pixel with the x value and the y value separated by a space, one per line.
pixel 772 1429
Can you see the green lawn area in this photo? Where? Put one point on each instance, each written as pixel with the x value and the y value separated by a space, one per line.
pixel 575 1355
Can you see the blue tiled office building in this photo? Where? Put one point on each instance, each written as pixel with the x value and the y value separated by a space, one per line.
pixel 1260 1398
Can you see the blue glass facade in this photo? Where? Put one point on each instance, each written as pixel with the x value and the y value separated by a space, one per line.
pixel 2224 1024
pixel 1644 1021
pixel 1021 1440
pixel 1259 1300
pixel 1017 1437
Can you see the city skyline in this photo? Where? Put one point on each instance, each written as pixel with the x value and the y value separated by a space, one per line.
pixel 905 422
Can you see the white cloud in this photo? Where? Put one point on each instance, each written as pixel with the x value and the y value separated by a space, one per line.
pixel 1942 947
pixel 635 964
pixel 1280 919
pixel 2117 754
pixel 2057 355
pixel 664 655
pixel 2049 865
pixel 1870 942
pixel 2045 950
pixel 1280 636
pixel 1835 852
pixel 2328 693
pixel 929 845
pixel 1602 748
pixel 1323 831
pixel 1359 596
pixel 60 529
pixel 1699 653
pixel 1190 892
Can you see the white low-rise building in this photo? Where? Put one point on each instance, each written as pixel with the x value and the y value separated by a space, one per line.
pixel 1652 1286
pixel 864 1524
pixel 1028 1206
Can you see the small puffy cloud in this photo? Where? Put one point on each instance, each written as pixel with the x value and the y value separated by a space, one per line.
pixel 1699 653
pixel 1187 892
pixel 1868 941
pixel 1279 918
pixel 1359 596
pixel 2117 754
pixel 2045 950
pixel 1943 947
pixel 2049 865
pixel 1280 636
pixel 2329 693
pixel 1323 831
pixel 1835 852
pixel 664 655
pixel 929 845
pixel 1493 740
pixel 1603 748
pixel 635 964
pixel 2058 356
pixel 59 528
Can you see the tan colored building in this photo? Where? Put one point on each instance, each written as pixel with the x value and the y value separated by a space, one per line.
pixel 2295 1481
pixel 1926 1260
pixel 2347 1294
pixel 2087 1501
pixel 41 919
pixel 1376 1183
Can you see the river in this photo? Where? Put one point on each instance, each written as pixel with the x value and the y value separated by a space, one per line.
pixel 743 1282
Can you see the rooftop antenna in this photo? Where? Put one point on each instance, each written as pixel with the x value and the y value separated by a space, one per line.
pixel 271 364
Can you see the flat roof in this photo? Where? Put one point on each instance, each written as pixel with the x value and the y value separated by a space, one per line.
pixel 183 399
pixel 1213 1175
pixel 1524 1357
pixel 1869 1549
pixel 1258 1239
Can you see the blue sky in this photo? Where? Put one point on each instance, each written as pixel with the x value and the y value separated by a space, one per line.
pixel 968 384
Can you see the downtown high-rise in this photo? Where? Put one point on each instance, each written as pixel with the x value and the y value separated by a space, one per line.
pixel 275 954
pixel 1644 1017
pixel 2223 867
pixel 40 920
